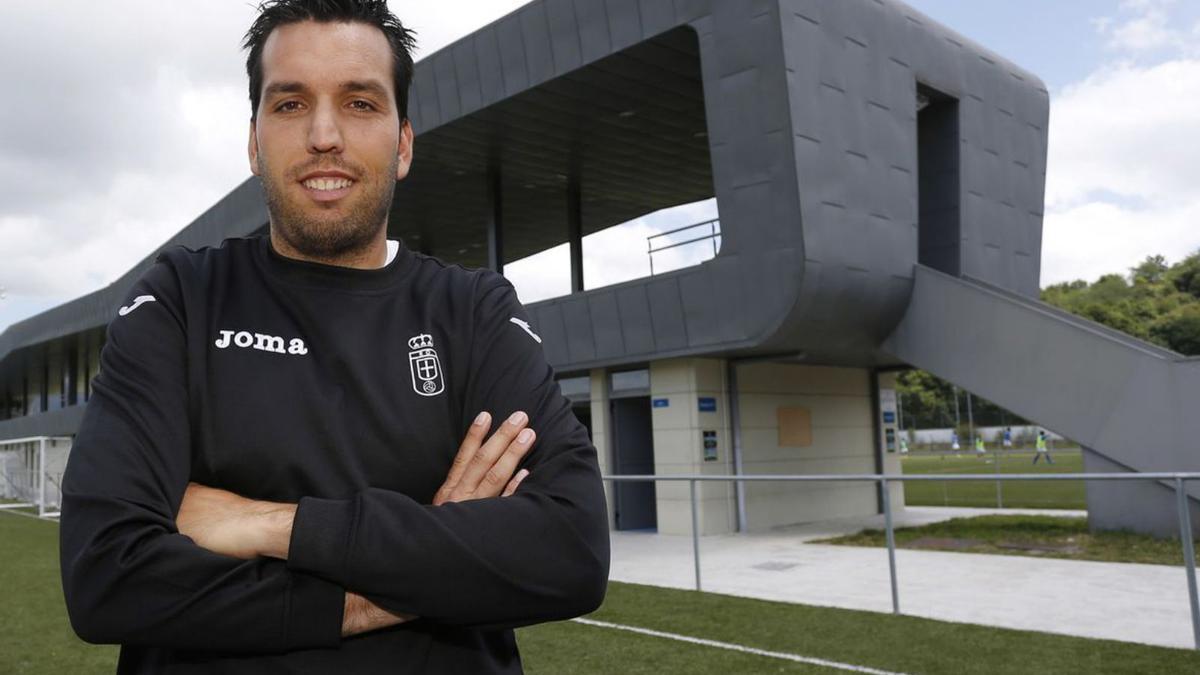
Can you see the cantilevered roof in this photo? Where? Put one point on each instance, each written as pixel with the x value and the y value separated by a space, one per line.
pixel 629 127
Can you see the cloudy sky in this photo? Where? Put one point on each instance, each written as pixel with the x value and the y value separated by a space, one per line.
pixel 123 120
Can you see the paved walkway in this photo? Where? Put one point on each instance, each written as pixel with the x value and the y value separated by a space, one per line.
pixel 1117 601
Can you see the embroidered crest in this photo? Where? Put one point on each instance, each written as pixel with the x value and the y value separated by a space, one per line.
pixel 425 367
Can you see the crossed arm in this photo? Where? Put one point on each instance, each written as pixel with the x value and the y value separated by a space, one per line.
pixel 133 572
pixel 226 523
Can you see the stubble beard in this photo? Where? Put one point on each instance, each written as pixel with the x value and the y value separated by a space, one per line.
pixel 328 237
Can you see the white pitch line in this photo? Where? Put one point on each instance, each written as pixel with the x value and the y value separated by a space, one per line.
pixel 739 648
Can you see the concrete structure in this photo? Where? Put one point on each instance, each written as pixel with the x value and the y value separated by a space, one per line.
pixel 879 180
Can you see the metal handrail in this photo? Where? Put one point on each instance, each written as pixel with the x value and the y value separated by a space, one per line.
pixel 1177 477
pixel 713 224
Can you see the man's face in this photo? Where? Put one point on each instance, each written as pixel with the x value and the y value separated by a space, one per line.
pixel 328 143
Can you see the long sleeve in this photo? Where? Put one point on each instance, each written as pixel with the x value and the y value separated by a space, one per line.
pixel 128 575
pixel 541 554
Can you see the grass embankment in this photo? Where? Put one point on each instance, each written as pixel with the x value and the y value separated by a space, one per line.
pixel 1036 536
pixel 1014 494
pixel 37 639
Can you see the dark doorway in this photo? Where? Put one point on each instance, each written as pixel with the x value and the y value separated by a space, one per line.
pixel 633 450
pixel 939 234
pixel 583 413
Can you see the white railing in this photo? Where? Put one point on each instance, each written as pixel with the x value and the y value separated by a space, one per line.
pixel 1178 481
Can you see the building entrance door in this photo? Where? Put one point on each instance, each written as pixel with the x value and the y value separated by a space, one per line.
pixel 633 447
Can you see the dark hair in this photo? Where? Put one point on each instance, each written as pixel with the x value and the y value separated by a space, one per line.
pixel 276 13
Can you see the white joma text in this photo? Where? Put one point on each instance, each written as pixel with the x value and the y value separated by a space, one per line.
pixel 264 343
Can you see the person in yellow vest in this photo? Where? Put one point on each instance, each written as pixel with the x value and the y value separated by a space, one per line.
pixel 979 447
pixel 1042 449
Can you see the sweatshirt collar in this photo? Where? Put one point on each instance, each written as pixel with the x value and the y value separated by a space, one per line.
pixel 332 276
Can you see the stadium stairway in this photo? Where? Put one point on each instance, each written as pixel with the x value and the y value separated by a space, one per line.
pixel 1133 406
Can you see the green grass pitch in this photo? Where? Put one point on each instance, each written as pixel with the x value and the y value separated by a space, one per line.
pixel 38 640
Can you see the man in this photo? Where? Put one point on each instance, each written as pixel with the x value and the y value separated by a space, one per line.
pixel 1041 448
pixel 286 465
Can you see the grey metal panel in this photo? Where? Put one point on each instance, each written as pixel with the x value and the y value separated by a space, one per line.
pixel 657 16
pixel 565 35
pixel 1130 402
pixel 594 41
pixel 637 330
pixel 61 422
pixel 535 30
pixel 580 343
pixel 512 56
pixel 445 81
pixel 466 72
pixel 624 22
pixel 666 314
pixel 1149 507
pixel 606 325
pixel 547 322
pixel 491 72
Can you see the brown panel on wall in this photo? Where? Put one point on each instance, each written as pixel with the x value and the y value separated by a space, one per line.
pixel 795 426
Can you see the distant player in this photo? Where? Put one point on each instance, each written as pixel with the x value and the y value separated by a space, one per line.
pixel 1007 442
pixel 954 441
pixel 1042 449
pixel 979 447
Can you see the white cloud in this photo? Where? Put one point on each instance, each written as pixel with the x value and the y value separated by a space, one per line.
pixel 130 126
pixel 1126 130
pixel 1145 27
pixel 1122 172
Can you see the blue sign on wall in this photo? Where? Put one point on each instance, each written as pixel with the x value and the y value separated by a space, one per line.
pixel 661 402
pixel 889 417
pixel 708 404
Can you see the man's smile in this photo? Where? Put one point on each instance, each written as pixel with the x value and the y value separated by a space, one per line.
pixel 327 187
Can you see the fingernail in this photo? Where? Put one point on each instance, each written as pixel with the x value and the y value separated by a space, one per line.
pixel 525 436
pixel 516 418
pixel 481 418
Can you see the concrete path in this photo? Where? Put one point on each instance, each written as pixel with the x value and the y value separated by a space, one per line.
pixel 1116 601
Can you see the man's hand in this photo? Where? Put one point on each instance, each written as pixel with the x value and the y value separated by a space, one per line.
pixel 481 469
pixel 227 523
pixel 230 524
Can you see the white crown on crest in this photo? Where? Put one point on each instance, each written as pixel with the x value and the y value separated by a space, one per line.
pixel 420 341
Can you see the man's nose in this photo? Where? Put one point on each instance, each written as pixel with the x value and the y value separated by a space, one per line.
pixel 324 134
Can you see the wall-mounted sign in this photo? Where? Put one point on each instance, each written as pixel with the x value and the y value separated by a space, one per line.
pixel 661 402
pixel 708 404
pixel 889 417
pixel 710 446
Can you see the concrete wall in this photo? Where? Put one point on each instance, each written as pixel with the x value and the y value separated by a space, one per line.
pixel 839 401
pixel 600 434
pixel 679 444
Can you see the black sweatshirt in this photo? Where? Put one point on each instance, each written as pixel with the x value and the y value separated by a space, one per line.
pixel 348 391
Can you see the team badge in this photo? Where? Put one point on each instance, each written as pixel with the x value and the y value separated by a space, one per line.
pixel 425 367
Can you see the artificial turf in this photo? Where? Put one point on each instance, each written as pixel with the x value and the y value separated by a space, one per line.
pixel 1012 494
pixel 38 640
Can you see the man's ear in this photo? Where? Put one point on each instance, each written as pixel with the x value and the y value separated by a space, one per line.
pixel 252 150
pixel 404 150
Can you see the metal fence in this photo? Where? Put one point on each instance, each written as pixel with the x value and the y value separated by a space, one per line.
pixel 31 472
pixel 713 235
pixel 1178 481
